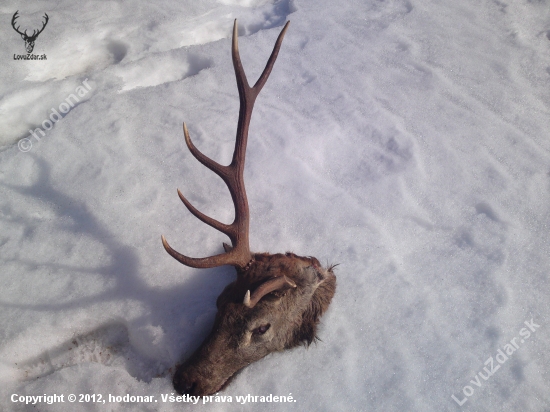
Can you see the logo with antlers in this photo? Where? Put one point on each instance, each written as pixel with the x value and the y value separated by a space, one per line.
pixel 29 40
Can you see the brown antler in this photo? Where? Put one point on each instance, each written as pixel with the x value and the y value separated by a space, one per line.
pixel 239 255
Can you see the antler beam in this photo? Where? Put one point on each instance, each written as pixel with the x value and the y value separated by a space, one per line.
pixel 239 255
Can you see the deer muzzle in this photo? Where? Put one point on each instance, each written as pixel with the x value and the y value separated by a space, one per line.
pixel 208 370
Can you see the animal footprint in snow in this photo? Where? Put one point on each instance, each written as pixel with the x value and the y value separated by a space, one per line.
pixel 108 344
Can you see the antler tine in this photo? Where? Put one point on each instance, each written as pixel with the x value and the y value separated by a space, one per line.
pixel 221 171
pixel 222 227
pixel 269 66
pixel 239 254
pixel 207 262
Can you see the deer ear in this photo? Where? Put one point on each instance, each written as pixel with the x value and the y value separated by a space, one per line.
pixel 23 36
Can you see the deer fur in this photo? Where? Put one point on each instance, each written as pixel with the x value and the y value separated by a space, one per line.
pixel 292 315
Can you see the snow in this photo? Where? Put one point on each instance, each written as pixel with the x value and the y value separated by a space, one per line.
pixel 405 140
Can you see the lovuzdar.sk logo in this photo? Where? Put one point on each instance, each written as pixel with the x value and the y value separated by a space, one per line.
pixel 29 39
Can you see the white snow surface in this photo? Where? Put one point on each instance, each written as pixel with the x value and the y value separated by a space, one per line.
pixel 406 140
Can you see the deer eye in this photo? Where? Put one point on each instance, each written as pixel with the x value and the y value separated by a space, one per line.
pixel 261 330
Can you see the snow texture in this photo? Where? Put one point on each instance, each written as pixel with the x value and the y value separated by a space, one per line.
pixel 407 141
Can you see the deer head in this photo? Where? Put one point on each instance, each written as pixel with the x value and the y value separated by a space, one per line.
pixel 29 40
pixel 276 301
